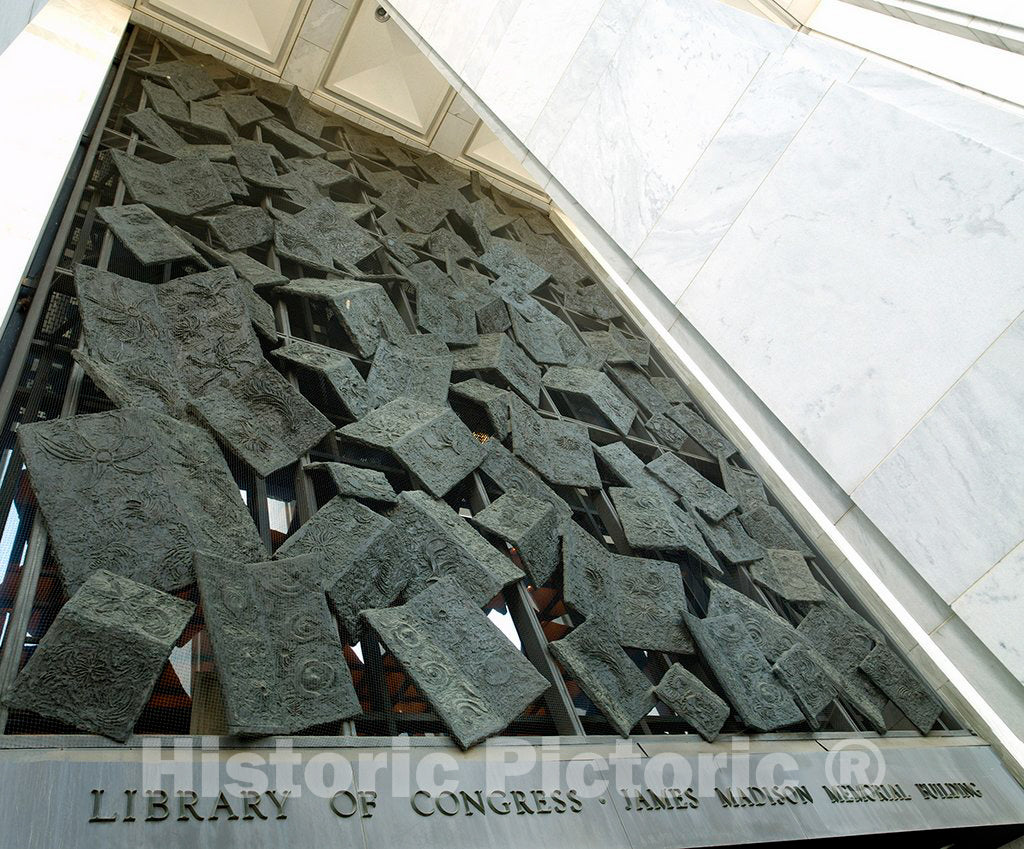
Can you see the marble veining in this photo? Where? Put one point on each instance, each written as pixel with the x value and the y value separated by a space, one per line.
pixel 847 294
pixel 455 28
pixel 655 109
pixel 752 138
pixel 960 110
pixel 591 58
pixel 538 43
pixel 994 609
pixel 949 496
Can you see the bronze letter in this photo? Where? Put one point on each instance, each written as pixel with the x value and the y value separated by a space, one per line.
pixel 350 796
pixel 96 795
pixel 251 805
pixel 222 805
pixel 472 800
pixel 152 805
pixel 505 804
pixel 187 806
pixel 285 795
pixel 129 805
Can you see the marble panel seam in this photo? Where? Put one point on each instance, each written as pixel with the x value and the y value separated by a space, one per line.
pixel 749 199
pixel 936 403
pixel 988 571
pixel 561 77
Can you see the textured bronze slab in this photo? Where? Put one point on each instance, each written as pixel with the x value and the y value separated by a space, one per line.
pixel 335 533
pixel 530 526
pixel 592 657
pixel 256 273
pixel 355 482
pixel 152 127
pixel 442 308
pixel 321 235
pixel 702 433
pixel 528 307
pixel 428 440
pixel 506 259
pixel 305 119
pixel 413 208
pixel 326 175
pixel 155 488
pixel 785 573
pixel 209 121
pixel 470 673
pixel 593 300
pixel 261 314
pixel 760 701
pixel 410 370
pixel 166 101
pixel 488 400
pixel 671 389
pixel 279 659
pixel 241 227
pixel 617 348
pixel 559 451
pixel 335 368
pixel 189 80
pixel 98 662
pixel 149 345
pixel 145 234
pixel 839 634
pixel 363 309
pixel 593 393
pixel 688 698
pixel 181 187
pixel 650 600
pixel 440 543
pixel 770 528
pixel 640 389
pixel 884 667
pixel 498 359
pixel 510 474
pixel 255 163
pixel 540 339
pixel 772 634
pixel 244 110
pixel 487 219
pixel 630 470
pixel 729 539
pixel 231 177
pixel 650 523
pixel 743 485
pixel 284 138
pixel 261 418
pixel 436 167
pixel 347 540
pixel 129 348
pixel 695 490
pixel 666 431
pixel 810 685
pixel 643 599
pixel 209 323
pixel 589 575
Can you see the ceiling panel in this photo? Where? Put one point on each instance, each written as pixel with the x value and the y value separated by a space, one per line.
pixel 260 29
pixel 377 67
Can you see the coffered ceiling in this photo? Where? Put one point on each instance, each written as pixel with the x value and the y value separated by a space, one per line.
pixel 348 57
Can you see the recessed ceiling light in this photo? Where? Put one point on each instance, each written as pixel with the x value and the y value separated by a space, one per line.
pixel 382 15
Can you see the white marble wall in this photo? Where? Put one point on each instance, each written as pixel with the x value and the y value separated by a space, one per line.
pixel 59 60
pixel 835 239
pixel 14 17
